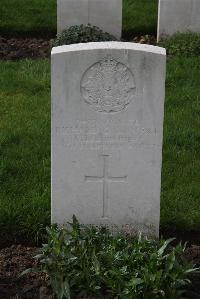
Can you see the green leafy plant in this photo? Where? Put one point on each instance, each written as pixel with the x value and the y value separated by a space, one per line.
pixel 93 261
pixel 82 34
pixel 182 44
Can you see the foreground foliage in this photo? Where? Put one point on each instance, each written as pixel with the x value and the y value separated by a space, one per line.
pixel 91 261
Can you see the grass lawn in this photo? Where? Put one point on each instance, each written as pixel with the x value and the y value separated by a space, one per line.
pixel 139 17
pixel 28 17
pixel 33 17
pixel 25 147
pixel 180 204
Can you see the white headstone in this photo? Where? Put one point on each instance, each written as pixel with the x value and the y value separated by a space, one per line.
pixel 178 16
pixel 105 14
pixel 107 126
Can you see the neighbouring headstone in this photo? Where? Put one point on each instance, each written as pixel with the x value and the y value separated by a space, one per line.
pixel 107 127
pixel 178 16
pixel 105 14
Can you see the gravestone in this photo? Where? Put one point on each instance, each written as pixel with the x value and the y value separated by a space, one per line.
pixel 105 14
pixel 178 16
pixel 107 126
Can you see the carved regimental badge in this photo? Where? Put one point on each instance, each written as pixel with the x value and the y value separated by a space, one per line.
pixel 108 86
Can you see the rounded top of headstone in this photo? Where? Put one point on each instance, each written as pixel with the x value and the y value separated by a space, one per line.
pixel 108 45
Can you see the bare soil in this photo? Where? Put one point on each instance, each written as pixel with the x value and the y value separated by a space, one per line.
pixel 14 260
pixel 18 48
pixel 23 47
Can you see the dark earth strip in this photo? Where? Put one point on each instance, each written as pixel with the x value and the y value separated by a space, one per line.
pixel 18 47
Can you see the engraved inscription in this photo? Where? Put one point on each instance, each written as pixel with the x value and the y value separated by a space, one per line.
pixel 108 86
pixel 111 134
pixel 105 179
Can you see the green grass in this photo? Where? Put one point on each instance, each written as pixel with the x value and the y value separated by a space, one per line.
pixel 38 17
pixel 25 147
pixel 182 44
pixel 180 205
pixel 139 17
pixel 28 17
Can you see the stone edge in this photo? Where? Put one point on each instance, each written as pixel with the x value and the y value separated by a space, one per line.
pixel 108 45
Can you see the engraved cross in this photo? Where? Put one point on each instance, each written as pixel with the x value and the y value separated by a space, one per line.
pixel 105 179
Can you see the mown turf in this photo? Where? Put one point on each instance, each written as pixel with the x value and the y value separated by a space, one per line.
pixel 38 17
pixel 25 147
pixel 139 17
pixel 28 17
pixel 180 205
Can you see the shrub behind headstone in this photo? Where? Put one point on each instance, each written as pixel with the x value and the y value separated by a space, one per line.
pixel 82 34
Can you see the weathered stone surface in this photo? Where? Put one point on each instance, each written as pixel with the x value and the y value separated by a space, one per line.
pixel 105 14
pixel 178 16
pixel 107 124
